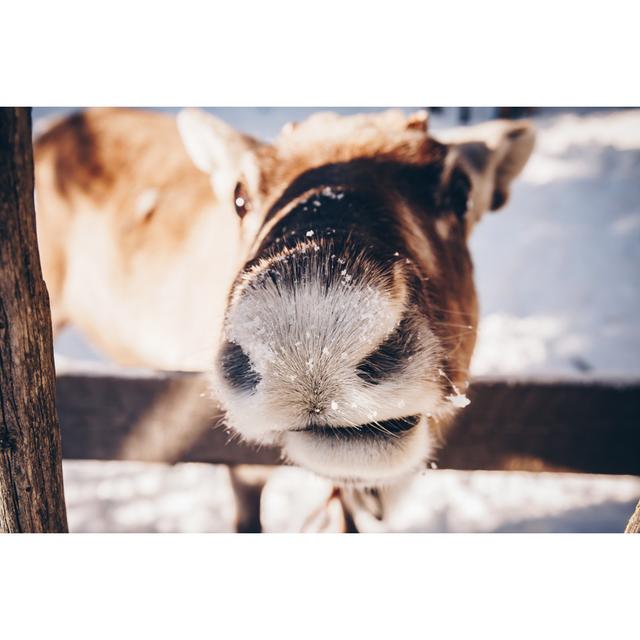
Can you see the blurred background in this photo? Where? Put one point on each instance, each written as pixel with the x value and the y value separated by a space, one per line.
pixel 557 273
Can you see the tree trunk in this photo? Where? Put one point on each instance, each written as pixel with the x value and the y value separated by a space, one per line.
pixel 31 491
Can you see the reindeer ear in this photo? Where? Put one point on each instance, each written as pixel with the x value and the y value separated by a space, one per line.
pixel 216 148
pixel 491 155
pixel 211 143
pixel 512 153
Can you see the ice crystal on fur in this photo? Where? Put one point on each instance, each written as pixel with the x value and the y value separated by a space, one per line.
pixel 458 400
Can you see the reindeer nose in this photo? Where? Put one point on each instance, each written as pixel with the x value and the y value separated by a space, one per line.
pixel 237 368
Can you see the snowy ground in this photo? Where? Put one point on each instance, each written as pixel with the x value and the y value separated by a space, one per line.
pixel 558 270
pixel 557 273
pixel 135 497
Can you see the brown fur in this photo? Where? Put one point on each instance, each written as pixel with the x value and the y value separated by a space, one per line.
pixel 92 168
pixel 100 161
pixel 449 297
pixel 328 138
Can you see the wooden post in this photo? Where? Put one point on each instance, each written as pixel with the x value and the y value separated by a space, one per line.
pixel 31 491
pixel 633 526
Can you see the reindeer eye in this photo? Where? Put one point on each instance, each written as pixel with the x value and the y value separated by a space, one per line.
pixel 241 200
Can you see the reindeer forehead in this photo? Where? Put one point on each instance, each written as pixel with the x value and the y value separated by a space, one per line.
pixel 364 129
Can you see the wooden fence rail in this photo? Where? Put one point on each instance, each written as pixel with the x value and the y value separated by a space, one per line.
pixel 582 425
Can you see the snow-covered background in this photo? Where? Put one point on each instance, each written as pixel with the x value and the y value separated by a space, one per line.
pixel 557 272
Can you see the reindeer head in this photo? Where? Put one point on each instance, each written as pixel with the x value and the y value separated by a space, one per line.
pixel 352 321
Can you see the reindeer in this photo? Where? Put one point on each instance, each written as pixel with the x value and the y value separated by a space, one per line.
pixel 324 281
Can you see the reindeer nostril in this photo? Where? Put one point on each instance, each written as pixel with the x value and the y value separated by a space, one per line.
pixel 237 368
pixel 390 357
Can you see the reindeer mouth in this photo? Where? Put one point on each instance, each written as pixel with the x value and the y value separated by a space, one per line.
pixel 371 454
pixel 382 430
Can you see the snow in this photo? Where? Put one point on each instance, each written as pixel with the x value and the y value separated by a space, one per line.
pixel 557 272
pixel 468 501
pixel 459 400
pixel 135 496
pixel 558 269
